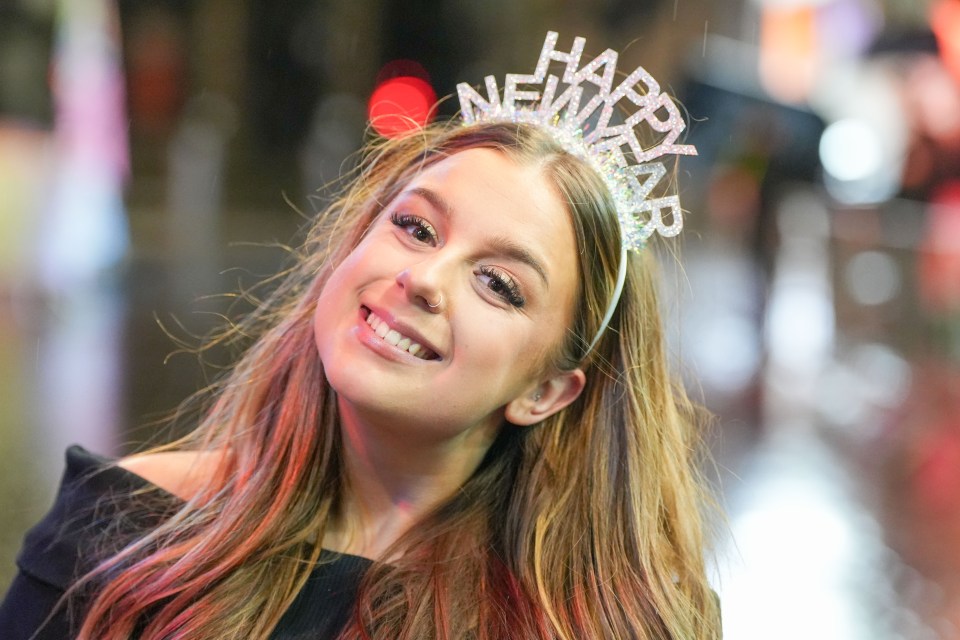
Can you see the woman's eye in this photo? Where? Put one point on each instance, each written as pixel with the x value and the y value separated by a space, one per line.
pixel 416 227
pixel 502 286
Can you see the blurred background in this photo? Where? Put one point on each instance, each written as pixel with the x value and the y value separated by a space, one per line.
pixel 155 155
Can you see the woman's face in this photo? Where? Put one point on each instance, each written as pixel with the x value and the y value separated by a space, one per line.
pixel 474 261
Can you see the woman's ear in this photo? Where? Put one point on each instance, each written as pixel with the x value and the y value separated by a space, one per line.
pixel 544 400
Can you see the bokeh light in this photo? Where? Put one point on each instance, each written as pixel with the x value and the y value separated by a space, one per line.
pixel 850 150
pixel 872 277
pixel 403 100
pixel 945 23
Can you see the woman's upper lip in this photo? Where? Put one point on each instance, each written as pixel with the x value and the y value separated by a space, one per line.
pixel 402 327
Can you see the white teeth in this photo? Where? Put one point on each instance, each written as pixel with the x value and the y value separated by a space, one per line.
pixel 394 337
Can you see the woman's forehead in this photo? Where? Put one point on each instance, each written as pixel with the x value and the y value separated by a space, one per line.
pixel 494 184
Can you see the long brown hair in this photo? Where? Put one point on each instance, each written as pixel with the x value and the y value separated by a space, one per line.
pixel 587 525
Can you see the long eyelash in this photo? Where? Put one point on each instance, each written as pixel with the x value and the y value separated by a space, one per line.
pixel 408 220
pixel 511 291
pixel 404 219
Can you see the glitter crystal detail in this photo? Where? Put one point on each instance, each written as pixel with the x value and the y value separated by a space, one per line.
pixel 586 131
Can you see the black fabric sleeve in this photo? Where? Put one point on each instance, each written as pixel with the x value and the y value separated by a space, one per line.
pixel 63 545
pixel 96 510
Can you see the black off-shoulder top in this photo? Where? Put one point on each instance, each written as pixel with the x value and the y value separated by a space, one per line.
pixel 65 543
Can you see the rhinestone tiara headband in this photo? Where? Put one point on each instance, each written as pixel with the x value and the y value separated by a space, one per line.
pixel 613 150
pixel 587 131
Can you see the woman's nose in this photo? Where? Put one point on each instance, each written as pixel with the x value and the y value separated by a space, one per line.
pixel 422 285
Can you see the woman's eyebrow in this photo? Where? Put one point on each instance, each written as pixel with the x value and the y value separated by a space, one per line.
pixel 500 245
pixel 433 198
pixel 512 250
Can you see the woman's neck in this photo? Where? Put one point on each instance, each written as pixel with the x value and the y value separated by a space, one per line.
pixel 395 476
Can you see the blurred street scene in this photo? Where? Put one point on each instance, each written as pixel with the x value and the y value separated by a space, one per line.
pixel 157 158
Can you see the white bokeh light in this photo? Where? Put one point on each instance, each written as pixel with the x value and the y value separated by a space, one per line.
pixel 872 278
pixel 850 150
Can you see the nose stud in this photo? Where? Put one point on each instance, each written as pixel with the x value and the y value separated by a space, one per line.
pixel 439 302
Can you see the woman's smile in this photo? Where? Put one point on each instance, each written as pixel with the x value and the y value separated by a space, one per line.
pixel 401 338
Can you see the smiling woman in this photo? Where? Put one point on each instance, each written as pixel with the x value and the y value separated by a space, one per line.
pixel 457 422
pixel 489 238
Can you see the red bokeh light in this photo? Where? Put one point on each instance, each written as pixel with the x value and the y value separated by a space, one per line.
pixel 403 102
pixel 945 23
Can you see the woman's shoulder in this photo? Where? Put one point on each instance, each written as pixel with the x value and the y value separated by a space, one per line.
pixel 180 473
pixel 93 502
pixel 102 502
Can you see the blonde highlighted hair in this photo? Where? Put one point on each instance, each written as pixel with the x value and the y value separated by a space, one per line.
pixel 587 525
